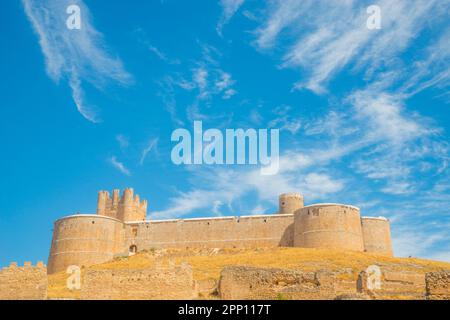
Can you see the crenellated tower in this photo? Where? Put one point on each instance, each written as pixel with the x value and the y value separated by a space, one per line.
pixel 124 208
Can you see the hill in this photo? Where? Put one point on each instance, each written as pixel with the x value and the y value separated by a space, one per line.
pixel 207 264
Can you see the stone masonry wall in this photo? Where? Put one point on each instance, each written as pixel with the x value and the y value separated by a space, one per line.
pixel 239 282
pixel 377 236
pixel 139 284
pixel 242 282
pixel 84 240
pixel 239 232
pixel 330 226
pixel 438 285
pixel 23 283
pixel 393 285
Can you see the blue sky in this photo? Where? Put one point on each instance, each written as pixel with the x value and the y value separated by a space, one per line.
pixel 363 114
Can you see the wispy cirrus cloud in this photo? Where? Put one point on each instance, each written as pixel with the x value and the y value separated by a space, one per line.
pixel 384 140
pixel 324 37
pixel 123 141
pixel 204 81
pixel 119 166
pixel 420 228
pixel 229 186
pixel 229 9
pixel 151 145
pixel 78 56
pixel 142 37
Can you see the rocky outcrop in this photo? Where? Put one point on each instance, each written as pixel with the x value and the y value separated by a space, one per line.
pixel 438 285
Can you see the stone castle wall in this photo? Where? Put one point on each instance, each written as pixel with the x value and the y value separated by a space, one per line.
pixel 241 232
pixel 168 283
pixel 438 285
pixel 119 228
pixel 377 236
pixel 244 282
pixel 393 284
pixel 84 240
pixel 240 282
pixel 328 226
pixel 23 283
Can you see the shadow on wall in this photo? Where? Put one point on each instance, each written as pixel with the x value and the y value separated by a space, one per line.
pixel 287 239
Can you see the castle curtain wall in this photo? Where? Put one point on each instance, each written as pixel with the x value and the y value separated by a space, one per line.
pixel 120 228
pixel 377 236
pixel 227 232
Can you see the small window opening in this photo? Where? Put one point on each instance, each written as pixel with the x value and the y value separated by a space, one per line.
pixel 132 251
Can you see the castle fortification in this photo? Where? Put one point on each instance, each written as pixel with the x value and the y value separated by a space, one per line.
pixel 377 235
pixel 333 226
pixel 25 282
pixel 120 227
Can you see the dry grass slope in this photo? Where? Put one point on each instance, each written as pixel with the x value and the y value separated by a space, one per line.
pixel 208 263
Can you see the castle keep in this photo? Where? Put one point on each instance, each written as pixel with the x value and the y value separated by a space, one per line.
pixel 120 227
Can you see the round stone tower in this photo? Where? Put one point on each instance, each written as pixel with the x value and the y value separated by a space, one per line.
pixel 335 226
pixel 288 203
pixel 84 240
pixel 377 236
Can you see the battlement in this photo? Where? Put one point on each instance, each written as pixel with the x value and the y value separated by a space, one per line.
pixel 125 208
pixel 25 282
pixel 26 265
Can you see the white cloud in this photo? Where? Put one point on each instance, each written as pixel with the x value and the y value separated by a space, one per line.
pixel 325 36
pixel 443 255
pixel 200 78
pixel 229 9
pixel 216 207
pixel 143 39
pixel 205 81
pixel 209 80
pixel 152 145
pixel 77 56
pixel 321 184
pixel 123 141
pixel 395 140
pixel 398 188
pixel 386 119
pixel 283 120
pixel 157 52
pixel 416 242
pixel 79 98
pixel 224 81
pixel 432 70
pixel 119 165
pixel 228 94
pixel 230 185
pixel 387 143
pixel 281 15
pixel 168 97
pixel 259 209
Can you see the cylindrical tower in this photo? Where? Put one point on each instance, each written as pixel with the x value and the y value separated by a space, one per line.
pixel 288 203
pixel 101 202
pixel 377 235
pixel 335 226
pixel 84 240
pixel 115 202
pixel 128 205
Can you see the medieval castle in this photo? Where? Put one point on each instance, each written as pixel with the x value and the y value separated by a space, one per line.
pixel 120 227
